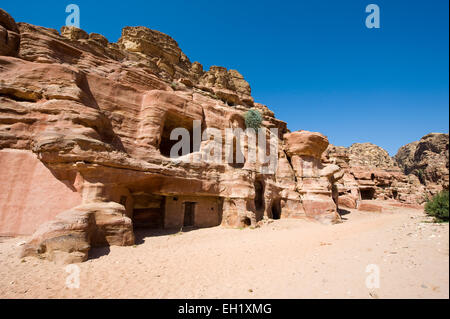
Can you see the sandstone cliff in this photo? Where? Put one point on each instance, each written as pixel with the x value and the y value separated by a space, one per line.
pixel 427 159
pixel 86 137
pixel 85 142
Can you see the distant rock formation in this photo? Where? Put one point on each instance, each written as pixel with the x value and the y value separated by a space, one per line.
pixel 418 171
pixel 427 159
pixel 370 155
pixel 369 174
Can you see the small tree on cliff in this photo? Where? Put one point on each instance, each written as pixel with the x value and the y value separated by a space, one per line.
pixel 253 119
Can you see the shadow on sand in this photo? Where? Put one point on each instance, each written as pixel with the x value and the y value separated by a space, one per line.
pixel 141 234
pixel 343 212
pixel 96 253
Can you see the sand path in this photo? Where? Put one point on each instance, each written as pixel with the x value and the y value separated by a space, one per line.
pixel 285 259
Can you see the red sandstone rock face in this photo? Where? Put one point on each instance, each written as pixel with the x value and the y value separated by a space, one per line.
pixel 86 123
pixel 315 181
pixel 370 207
pixel 305 143
pixel 347 201
pixel 98 116
pixel 69 237
pixel 30 194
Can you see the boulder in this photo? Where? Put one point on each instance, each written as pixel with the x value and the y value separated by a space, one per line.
pixel 304 143
pixel 69 237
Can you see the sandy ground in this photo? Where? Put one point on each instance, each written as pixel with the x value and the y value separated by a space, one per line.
pixel 284 259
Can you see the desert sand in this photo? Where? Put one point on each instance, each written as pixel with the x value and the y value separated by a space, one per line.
pixel 283 259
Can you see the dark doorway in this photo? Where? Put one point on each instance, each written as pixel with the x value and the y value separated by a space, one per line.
pixel 172 122
pixel 189 213
pixel 259 195
pixel 246 222
pixel 238 160
pixel 394 194
pixel 276 209
pixel 367 194
pixel 148 211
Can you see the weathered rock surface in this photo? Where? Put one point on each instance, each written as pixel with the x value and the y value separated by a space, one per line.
pixel 370 207
pixel 369 155
pixel 95 118
pixel 405 157
pixel 315 181
pixel 370 174
pixel 69 237
pixel 428 159
pixel 88 123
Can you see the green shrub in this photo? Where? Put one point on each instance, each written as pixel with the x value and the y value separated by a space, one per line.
pixel 253 119
pixel 438 207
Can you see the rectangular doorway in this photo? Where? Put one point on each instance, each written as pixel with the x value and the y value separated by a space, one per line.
pixel 189 213
pixel 149 211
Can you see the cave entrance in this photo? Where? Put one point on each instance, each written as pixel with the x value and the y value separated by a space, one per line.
pixel 259 195
pixel 149 211
pixel 172 122
pixel 276 209
pixel 367 194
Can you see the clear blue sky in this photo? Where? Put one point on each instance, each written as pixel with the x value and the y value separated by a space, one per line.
pixel 314 63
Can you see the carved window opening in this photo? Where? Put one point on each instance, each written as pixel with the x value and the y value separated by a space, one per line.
pixel 172 122
pixel 237 154
pixel 368 194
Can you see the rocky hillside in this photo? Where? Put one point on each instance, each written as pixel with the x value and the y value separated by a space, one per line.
pixel 427 159
pixel 371 155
